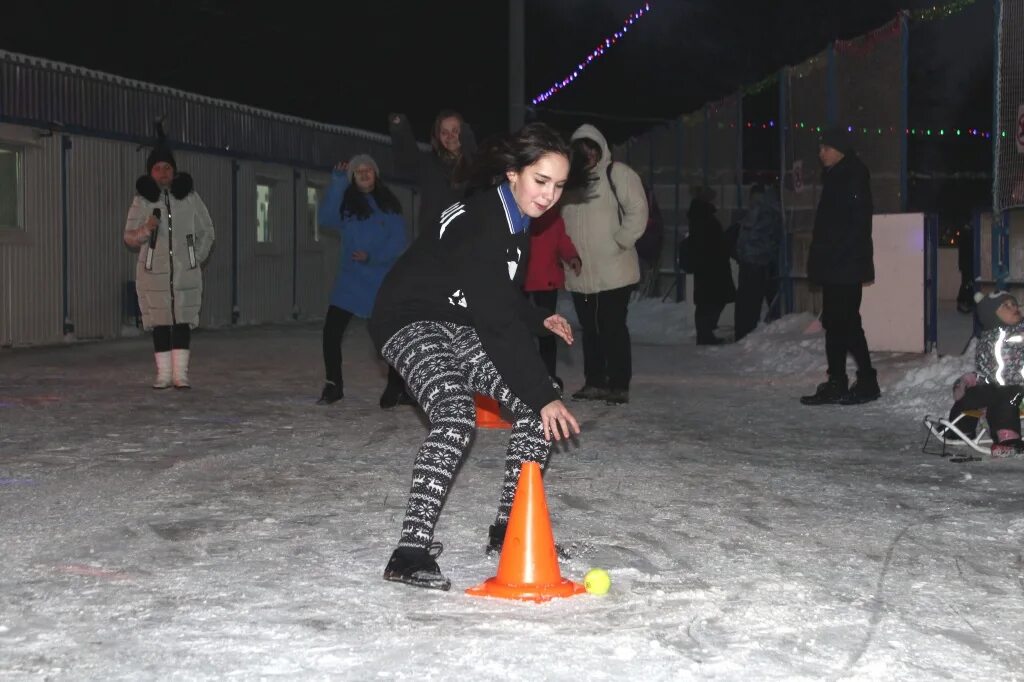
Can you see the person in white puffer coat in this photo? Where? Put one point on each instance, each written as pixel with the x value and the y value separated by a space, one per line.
pixel 604 220
pixel 171 227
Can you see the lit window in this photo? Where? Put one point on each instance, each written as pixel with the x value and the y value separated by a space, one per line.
pixel 263 233
pixel 312 203
pixel 11 209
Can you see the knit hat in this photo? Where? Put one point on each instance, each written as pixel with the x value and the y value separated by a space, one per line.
pixel 361 160
pixel 988 305
pixel 837 138
pixel 160 152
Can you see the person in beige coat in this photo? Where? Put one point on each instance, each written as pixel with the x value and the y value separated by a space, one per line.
pixel 604 220
pixel 171 226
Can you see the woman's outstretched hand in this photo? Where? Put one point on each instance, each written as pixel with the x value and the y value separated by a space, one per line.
pixel 558 421
pixel 557 324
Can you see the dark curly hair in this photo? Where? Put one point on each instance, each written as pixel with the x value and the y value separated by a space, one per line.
pixel 516 151
pixel 354 203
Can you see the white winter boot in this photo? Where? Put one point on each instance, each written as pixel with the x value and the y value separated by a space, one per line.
pixel 163 370
pixel 181 368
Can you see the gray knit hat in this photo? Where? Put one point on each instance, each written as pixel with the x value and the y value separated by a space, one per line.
pixel 988 305
pixel 362 160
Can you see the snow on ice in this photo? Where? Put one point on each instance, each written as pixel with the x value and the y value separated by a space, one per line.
pixel 238 530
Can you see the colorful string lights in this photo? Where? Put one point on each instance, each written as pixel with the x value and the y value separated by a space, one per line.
pixel 871 130
pixel 598 52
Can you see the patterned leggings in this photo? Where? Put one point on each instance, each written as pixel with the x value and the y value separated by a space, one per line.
pixel 443 365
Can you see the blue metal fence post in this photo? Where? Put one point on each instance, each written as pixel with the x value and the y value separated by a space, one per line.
pixel 931 293
pixel 831 91
pixel 650 158
pixel 679 276
pixel 707 146
pixel 739 149
pixel 295 244
pixel 235 310
pixel 904 104
pixel 65 150
pixel 976 259
pixel 998 271
pixel 785 275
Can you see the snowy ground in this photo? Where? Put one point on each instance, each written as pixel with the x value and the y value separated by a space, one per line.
pixel 238 531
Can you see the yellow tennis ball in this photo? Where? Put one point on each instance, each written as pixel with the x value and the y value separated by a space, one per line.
pixel 597 581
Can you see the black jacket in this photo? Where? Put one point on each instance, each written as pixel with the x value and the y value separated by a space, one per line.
pixel 709 252
pixel 432 174
pixel 469 269
pixel 841 249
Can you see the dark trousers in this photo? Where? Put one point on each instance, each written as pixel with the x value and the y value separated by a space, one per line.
pixel 749 294
pixel 705 319
pixel 1002 410
pixel 167 337
pixel 547 345
pixel 607 356
pixel 334 328
pixel 844 334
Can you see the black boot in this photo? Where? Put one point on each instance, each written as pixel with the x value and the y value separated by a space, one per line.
pixel 496 540
pixel 830 392
pixel 332 393
pixel 416 566
pixel 392 397
pixel 864 389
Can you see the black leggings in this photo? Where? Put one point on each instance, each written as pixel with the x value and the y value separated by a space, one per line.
pixel 334 328
pixel 1002 410
pixel 444 364
pixel 166 337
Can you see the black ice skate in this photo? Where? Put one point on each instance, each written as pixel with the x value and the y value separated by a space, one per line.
pixel 496 540
pixel 332 393
pixel 417 567
pixel 828 393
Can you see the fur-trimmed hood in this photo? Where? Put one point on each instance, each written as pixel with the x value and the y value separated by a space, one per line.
pixel 181 187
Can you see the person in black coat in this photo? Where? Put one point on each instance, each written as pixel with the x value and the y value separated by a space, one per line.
pixel 713 287
pixel 440 174
pixel 841 261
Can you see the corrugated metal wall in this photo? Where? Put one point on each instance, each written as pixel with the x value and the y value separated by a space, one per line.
pixel 316 258
pixel 212 178
pixel 265 270
pixel 105 118
pixel 101 185
pixel 39 90
pixel 31 269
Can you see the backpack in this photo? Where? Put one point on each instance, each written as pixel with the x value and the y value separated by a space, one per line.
pixel 648 246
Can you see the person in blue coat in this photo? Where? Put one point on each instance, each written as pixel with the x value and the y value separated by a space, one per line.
pixel 369 219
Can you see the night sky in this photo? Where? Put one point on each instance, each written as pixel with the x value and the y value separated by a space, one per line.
pixel 352 63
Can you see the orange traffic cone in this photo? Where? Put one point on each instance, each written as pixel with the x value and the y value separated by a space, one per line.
pixel 528 567
pixel 488 413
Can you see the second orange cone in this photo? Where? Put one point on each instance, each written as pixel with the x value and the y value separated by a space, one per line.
pixel 488 413
pixel 528 567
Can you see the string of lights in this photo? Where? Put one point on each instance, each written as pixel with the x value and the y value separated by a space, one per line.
pixel 871 130
pixel 596 54
pixel 861 45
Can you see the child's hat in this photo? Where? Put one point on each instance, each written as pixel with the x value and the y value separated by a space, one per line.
pixel 987 305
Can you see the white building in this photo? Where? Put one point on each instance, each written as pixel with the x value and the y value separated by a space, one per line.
pixel 73 142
